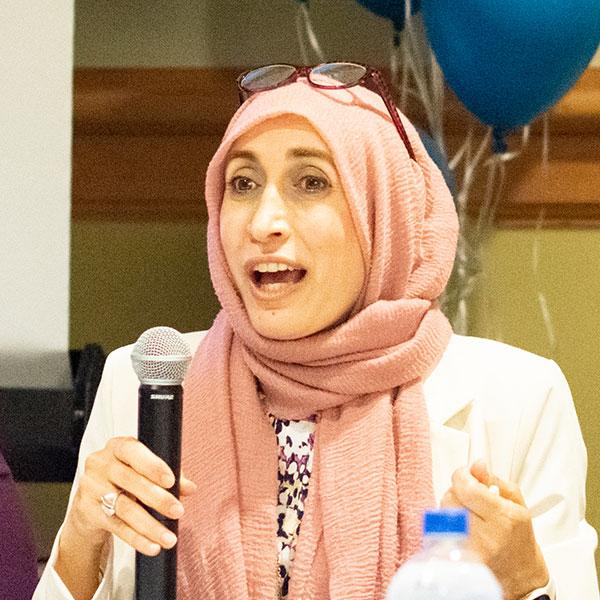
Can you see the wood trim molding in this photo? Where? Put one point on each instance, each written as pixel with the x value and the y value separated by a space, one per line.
pixel 142 139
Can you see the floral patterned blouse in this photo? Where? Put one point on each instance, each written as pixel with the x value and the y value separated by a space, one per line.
pixel 296 441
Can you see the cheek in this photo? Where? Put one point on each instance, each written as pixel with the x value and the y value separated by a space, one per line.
pixel 223 234
pixel 229 231
pixel 323 230
pixel 230 223
pixel 333 236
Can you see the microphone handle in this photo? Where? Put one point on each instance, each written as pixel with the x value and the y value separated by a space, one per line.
pixel 159 428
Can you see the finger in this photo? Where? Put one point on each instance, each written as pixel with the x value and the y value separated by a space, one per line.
pixel 480 471
pixel 507 489
pixel 133 453
pixel 132 538
pixel 186 486
pixel 140 521
pixel 131 522
pixel 474 495
pixel 87 510
pixel 152 495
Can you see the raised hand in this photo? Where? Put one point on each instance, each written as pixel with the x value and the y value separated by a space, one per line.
pixel 501 530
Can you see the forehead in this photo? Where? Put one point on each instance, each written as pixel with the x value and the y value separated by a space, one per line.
pixel 279 132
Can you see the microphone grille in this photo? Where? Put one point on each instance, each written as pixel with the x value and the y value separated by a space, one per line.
pixel 161 356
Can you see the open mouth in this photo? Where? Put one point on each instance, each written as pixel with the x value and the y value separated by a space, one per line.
pixel 276 275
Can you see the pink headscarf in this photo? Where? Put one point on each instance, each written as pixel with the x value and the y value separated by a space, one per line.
pixel 372 464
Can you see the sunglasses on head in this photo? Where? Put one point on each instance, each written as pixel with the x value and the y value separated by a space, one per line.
pixel 326 76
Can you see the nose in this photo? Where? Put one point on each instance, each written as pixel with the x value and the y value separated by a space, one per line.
pixel 269 222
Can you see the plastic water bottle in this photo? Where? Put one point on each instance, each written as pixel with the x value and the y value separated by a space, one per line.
pixel 445 569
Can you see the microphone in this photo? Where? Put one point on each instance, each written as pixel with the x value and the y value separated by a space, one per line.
pixel 160 359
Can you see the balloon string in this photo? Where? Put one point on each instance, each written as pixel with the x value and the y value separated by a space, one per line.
pixel 304 27
pixel 525 135
pixel 473 235
pixel 417 63
pixel 400 57
pixel 395 60
pixel 402 86
pixel 314 42
pixel 437 83
pixel 421 77
pixel 300 35
pixel 545 139
pixel 541 296
pixel 419 73
pixel 495 192
pixel 453 162
pixel 485 210
pixel 410 52
pixel 473 163
pixel 547 317
pixel 462 195
pixel 468 252
pixel 407 57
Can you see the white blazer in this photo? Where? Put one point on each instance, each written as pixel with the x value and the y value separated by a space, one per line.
pixel 485 400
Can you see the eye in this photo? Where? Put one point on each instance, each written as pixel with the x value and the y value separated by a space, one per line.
pixel 241 185
pixel 313 184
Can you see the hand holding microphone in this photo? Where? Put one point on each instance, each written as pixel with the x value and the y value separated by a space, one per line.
pixel 143 482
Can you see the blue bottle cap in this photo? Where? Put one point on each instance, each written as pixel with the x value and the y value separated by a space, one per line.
pixel 446 520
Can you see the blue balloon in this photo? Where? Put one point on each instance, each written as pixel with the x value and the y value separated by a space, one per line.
pixel 391 9
pixel 439 158
pixel 509 60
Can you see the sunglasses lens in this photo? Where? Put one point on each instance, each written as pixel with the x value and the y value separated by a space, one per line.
pixel 266 77
pixel 341 72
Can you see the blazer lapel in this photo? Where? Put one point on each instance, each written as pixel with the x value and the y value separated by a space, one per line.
pixel 450 403
pixel 449 451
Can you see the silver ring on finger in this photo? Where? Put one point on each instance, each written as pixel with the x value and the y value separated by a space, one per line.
pixel 108 502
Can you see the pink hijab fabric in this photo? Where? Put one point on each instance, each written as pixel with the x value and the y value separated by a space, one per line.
pixel 372 464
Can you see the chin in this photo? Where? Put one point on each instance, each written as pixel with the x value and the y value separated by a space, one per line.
pixel 280 328
pixel 275 332
pixel 286 326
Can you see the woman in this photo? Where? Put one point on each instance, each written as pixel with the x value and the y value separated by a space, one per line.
pixel 331 236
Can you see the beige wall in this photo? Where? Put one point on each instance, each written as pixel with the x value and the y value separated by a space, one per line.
pixel 127 277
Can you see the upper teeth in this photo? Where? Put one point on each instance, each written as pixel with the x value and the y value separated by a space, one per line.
pixel 272 267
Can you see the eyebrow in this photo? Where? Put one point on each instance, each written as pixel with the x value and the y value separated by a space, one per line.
pixel 241 154
pixel 310 153
pixel 300 152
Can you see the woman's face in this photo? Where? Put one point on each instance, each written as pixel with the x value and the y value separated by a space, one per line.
pixel 287 231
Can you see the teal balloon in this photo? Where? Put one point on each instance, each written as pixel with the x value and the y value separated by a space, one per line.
pixel 392 10
pixel 510 60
